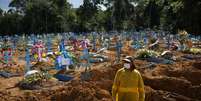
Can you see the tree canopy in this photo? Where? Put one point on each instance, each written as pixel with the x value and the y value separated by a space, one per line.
pixel 52 16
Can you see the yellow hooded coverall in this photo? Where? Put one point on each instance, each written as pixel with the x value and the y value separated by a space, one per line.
pixel 128 86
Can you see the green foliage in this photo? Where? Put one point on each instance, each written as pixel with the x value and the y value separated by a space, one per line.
pixel 47 16
pixel 35 78
pixel 144 53
pixel 195 51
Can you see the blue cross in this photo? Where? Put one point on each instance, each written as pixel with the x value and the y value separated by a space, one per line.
pixel 86 57
pixel 49 49
pixel 74 36
pixel 94 41
pixel 62 46
pixel 27 58
pixel 85 54
pixel 118 49
pixel 33 38
pixel 57 63
pixel 65 53
pixel 14 42
pixel 145 40
pixel 6 57
pixel 154 35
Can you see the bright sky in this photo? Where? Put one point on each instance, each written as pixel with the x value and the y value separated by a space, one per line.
pixel 76 3
pixel 4 3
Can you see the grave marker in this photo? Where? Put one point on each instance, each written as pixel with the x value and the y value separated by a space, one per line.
pixel 86 58
pixel 94 37
pixel 62 46
pixel 27 58
pixel 49 45
pixel 118 50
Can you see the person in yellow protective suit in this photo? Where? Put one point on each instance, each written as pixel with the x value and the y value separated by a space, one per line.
pixel 128 84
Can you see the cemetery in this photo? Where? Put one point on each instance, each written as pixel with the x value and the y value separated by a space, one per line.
pixel 81 67
pixel 100 50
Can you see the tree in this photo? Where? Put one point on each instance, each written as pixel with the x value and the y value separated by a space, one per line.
pixel 47 16
pixel 42 16
pixel 189 16
pixel 122 10
pixel 20 5
pixel 86 14
pixel 10 23
pixel 153 14
pixel 1 12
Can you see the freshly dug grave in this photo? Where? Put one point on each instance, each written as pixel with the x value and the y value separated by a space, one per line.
pixel 186 70
pixel 175 82
pixel 163 88
pixel 42 66
pixel 19 69
pixel 197 64
pixel 181 78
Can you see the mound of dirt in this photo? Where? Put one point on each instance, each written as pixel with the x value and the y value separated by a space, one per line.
pixel 159 95
pixel 189 73
pixel 86 91
pixel 42 66
pixel 179 79
pixel 170 84
pixel 197 65
pixel 176 82
pixel 13 69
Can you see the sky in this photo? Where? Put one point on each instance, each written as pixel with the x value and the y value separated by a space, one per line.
pixel 4 3
pixel 76 3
